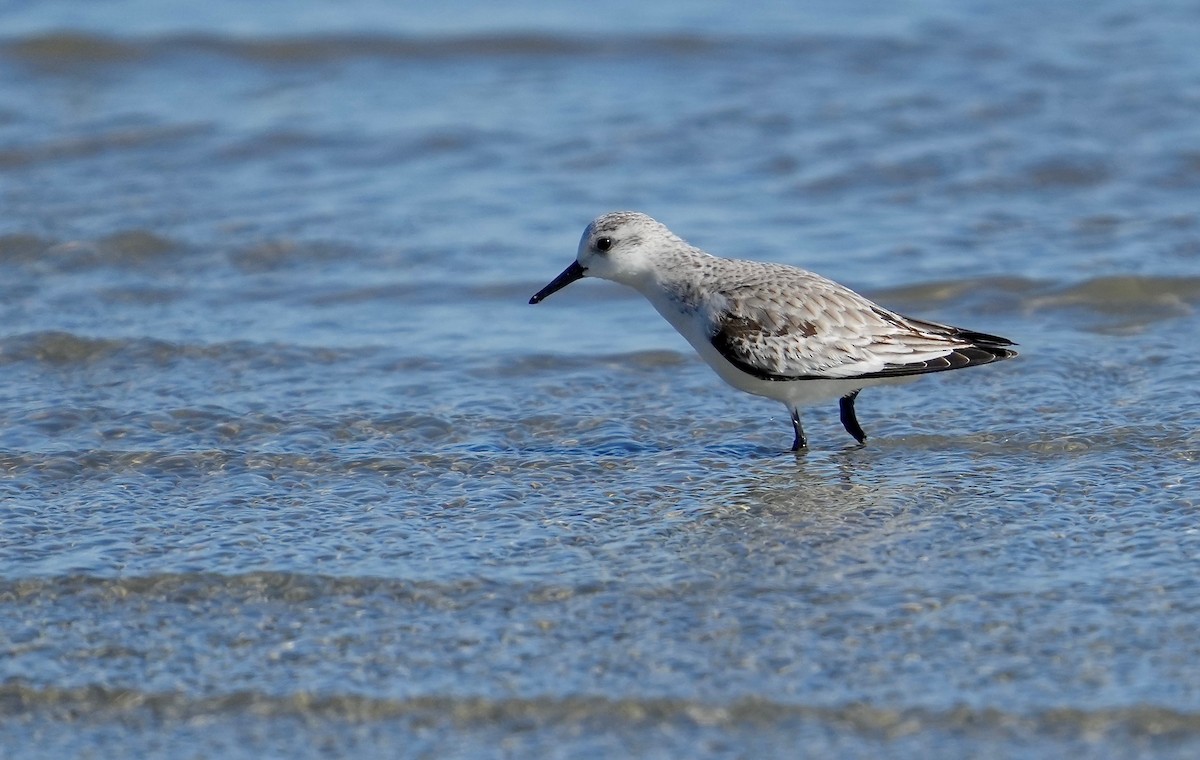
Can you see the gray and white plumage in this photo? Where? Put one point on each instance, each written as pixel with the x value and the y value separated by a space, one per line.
pixel 771 329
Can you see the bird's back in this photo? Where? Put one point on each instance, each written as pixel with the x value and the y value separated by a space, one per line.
pixel 779 322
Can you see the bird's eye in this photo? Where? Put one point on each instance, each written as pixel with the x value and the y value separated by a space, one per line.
pixel 603 244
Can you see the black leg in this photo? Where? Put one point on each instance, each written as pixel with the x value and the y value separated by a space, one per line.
pixel 800 442
pixel 849 420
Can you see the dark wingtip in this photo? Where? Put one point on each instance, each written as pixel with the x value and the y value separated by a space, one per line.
pixel 987 348
pixel 983 340
pixel 982 354
pixel 983 349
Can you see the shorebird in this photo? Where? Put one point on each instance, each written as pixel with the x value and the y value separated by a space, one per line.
pixel 770 329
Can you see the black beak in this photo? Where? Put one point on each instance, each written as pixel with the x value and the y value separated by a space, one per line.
pixel 568 276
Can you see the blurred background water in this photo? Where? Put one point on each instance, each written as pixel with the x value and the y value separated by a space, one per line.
pixel 288 467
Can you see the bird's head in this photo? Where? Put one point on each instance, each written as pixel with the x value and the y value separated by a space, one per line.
pixel 620 246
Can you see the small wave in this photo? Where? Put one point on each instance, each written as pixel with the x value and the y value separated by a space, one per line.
pixel 18 698
pixel 17 248
pixel 951 291
pixel 91 145
pixel 55 347
pixel 261 586
pixel 1126 292
pixel 77 49
pixel 133 248
pixel 68 46
pixel 72 49
pixel 1119 302
pixel 1122 304
pixel 1067 172
pixel 64 348
pixel 534 364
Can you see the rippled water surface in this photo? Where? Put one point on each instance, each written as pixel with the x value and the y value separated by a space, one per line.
pixel 289 467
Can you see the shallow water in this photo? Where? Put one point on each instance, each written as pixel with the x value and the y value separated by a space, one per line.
pixel 289 467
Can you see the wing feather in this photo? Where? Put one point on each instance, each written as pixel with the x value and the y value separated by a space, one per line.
pixel 809 328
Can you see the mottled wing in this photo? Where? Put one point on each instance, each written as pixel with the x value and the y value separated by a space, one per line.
pixel 787 324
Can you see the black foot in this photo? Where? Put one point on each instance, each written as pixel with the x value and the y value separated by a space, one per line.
pixel 849 420
pixel 800 442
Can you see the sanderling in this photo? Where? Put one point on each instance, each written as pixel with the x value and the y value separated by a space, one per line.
pixel 771 329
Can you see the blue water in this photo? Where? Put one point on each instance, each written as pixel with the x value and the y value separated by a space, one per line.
pixel 289 467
